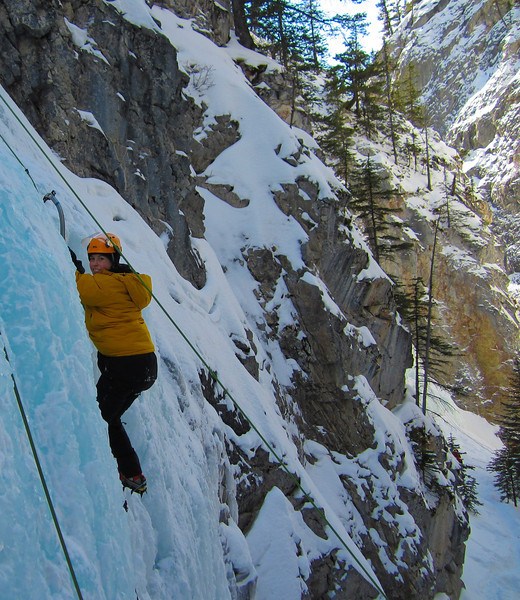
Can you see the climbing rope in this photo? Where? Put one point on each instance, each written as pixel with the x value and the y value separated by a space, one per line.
pixel 41 474
pixel 17 158
pixel 368 576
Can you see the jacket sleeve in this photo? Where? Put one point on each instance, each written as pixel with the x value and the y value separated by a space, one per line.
pixel 141 294
pixel 91 290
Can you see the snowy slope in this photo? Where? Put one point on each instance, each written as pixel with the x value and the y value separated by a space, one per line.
pixel 493 549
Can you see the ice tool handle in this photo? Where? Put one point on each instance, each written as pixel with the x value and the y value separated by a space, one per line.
pixel 52 197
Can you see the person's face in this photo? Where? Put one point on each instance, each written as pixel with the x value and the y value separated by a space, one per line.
pixel 99 262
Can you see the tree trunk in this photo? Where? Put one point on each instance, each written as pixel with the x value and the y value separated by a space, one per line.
pixel 241 29
pixel 429 321
pixel 429 177
pixel 389 100
pixel 313 37
pixel 417 346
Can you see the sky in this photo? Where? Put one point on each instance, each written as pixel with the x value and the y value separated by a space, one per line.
pixel 373 40
pixel 173 542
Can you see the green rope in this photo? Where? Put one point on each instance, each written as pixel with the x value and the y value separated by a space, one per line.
pixel 42 476
pixel 212 373
pixel 18 159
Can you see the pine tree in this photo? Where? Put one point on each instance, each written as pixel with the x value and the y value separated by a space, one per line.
pixel 510 421
pixel 406 100
pixel 468 493
pixel 371 98
pixel 353 67
pixel 385 16
pixel 389 99
pixel 413 305
pixel 371 203
pixel 266 20
pixel 419 328
pixel 425 120
pixel 391 12
pixel 506 461
pixel 407 97
pixel 465 484
pixel 311 26
pixel 397 10
pixel 432 352
pixel 425 455
pixel 337 138
pixel 507 475
pixel 293 29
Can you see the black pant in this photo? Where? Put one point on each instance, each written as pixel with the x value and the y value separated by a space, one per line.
pixel 122 379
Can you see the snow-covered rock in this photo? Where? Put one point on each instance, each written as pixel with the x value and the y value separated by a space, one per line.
pixel 465 59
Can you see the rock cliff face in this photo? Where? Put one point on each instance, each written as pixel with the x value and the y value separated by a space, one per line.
pixel 131 83
pixel 474 311
pixel 109 96
pixel 465 60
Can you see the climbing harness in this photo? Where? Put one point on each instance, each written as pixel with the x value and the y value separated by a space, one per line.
pixel 41 474
pixel 364 571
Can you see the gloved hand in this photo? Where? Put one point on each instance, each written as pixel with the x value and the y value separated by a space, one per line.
pixel 77 263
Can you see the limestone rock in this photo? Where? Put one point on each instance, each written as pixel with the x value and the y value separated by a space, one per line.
pixel 468 76
pixel 132 87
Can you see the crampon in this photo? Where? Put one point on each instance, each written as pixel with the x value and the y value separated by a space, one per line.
pixel 136 484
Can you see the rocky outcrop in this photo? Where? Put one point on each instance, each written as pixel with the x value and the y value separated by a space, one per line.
pixel 102 93
pixel 211 18
pixel 473 310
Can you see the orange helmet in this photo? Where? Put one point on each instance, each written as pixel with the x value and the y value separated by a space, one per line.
pixel 104 244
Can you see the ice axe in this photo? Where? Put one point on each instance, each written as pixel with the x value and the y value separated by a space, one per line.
pixel 52 197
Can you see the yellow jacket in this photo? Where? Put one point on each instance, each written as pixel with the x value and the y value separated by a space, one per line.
pixel 113 304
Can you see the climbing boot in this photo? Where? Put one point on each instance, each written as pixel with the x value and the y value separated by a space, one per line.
pixel 136 484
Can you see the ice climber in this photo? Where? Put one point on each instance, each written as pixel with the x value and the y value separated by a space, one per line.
pixel 113 298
